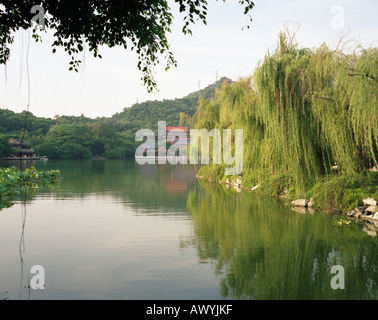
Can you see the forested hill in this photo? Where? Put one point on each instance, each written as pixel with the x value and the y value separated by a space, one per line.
pixel 110 137
pixel 147 114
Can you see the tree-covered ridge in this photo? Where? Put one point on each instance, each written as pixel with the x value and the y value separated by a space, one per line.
pixel 147 114
pixel 302 111
pixel 67 137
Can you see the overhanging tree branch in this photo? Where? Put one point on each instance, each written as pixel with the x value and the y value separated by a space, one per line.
pixel 144 23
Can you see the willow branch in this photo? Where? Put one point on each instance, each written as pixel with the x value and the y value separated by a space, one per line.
pixel 324 98
pixel 363 75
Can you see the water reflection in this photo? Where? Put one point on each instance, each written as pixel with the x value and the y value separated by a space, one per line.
pixel 154 231
pixel 147 188
pixel 21 246
pixel 263 250
pixel 19 164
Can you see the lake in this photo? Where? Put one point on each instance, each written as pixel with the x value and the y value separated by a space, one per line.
pixel 112 229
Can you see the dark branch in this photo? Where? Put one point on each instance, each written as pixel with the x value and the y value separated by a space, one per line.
pixel 363 75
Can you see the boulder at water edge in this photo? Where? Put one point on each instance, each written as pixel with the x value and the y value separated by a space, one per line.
pixel 300 202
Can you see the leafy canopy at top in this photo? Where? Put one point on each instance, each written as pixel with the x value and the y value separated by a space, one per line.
pixel 140 25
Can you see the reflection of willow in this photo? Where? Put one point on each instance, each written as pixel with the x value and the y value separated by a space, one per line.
pixel 264 250
pixel 22 241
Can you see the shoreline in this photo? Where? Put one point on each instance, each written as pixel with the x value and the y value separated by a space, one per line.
pixel 368 210
pixel 22 159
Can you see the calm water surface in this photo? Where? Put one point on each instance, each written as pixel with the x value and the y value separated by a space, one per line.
pixel 117 230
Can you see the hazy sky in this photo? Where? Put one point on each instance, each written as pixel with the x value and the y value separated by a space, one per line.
pixel 106 86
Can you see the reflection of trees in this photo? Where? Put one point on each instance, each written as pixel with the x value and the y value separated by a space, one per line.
pixel 147 187
pixel 263 250
pixel 27 194
pixel 19 164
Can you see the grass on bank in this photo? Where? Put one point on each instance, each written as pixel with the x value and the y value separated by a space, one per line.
pixel 333 192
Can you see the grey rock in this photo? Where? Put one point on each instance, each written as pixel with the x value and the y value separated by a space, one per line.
pixel 238 182
pixel 371 209
pixel 369 202
pixel 300 202
pixel 353 213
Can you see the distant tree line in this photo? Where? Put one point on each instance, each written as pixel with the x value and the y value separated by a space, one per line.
pixel 4 145
pixel 79 137
pixel 65 137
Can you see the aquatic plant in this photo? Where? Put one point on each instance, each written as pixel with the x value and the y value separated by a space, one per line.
pixel 12 181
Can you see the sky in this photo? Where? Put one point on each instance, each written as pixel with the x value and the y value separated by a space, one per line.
pixel 103 87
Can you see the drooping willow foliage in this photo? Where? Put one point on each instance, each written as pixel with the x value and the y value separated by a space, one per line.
pixel 302 111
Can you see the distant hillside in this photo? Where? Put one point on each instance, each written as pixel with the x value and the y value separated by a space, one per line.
pixel 114 137
pixel 147 114
pixel 36 128
pixel 130 120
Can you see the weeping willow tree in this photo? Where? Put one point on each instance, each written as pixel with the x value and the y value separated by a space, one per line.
pixel 291 141
pixel 302 111
pixel 344 99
